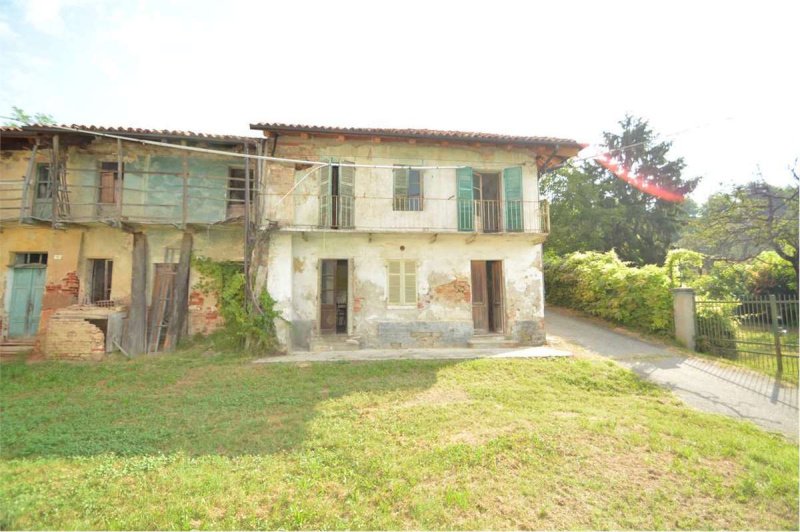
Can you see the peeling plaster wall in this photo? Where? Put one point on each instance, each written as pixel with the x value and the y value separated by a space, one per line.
pixel 68 269
pixel 443 314
pixel 374 186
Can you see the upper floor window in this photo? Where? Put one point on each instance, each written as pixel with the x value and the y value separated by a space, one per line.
pixel 407 189
pixel 402 282
pixel 110 177
pixel 44 185
pixel 30 259
pixel 237 186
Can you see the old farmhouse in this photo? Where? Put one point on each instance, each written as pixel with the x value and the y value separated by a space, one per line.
pixel 364 237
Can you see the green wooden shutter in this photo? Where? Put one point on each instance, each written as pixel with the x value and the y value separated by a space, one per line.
pixel 347 177
pixel 465 206
pixel 512 185
pixel 400 189
pixel 415 190
pixel 325 200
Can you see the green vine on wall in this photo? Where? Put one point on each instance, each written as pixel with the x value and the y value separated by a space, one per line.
pixel 247 326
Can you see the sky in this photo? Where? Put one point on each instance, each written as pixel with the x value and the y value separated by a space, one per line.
pixel 720 80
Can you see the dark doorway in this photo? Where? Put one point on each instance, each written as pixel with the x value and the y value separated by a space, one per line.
pixel 333 296
pixel 487 296
pixel 100 288
pixel 486 189
pixel 336 210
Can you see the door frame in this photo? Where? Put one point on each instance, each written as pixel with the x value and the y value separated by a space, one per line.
pixel 487 302
pixel 502 294
pixel 350 270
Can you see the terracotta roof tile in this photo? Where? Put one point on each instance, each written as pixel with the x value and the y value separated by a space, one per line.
pixel 140 132
pixel 417 133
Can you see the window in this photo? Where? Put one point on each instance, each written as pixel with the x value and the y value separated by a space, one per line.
pixel 407 189
pixel 109 182
pixel 402 282
pixel 44 188
pixel 27 259
pixel 236 186
pixel 100 284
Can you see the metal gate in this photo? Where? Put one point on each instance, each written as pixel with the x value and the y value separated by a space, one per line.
pixel 760 332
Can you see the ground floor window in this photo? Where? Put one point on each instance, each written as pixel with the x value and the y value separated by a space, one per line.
pixel 100 271
pixel 402 282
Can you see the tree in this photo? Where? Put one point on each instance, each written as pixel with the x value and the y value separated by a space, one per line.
pixel 20 118
pixel 593 209
pixel 740 224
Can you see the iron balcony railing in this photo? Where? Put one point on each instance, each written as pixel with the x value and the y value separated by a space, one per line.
pixel 410 214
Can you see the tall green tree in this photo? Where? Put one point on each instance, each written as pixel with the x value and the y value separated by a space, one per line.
pixel 594 209
pixel 740 224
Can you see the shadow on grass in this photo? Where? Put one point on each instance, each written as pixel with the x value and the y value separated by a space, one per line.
pixel 188 402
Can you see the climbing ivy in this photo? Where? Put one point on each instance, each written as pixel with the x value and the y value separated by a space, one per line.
pixel 247 326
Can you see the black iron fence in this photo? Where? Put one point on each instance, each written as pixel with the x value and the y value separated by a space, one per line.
pixel 760 332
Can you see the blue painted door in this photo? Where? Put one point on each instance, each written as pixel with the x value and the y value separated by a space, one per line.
pixel 26 301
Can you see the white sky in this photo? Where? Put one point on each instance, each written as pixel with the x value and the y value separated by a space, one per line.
pixel 569 69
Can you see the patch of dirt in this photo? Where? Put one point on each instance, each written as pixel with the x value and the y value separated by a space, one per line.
pixel 436 397
pixel 189 379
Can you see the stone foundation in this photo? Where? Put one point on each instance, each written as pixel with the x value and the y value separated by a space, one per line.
pixel 406 334
pixel 528 332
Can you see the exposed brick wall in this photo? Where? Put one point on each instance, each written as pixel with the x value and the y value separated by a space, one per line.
pixel 59 295
pixel 204 317
pixel 73 339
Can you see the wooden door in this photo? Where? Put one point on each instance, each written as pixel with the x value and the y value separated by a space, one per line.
pixel 327 323
pixel 495 300
pixel 26 301
pixel 160 305
pixel 480 310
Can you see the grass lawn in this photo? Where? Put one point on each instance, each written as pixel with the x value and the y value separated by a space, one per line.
pixel 211 441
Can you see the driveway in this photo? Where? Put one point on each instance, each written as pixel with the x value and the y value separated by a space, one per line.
pixel 719 389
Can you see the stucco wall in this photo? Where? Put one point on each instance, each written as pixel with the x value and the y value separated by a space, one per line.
pixel 443 314
pixel 68 268
pixel 374 186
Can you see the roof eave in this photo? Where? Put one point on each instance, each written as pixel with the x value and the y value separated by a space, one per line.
pixel 564 143
pixel 232 141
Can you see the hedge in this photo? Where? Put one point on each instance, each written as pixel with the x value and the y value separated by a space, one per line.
pixel 604 286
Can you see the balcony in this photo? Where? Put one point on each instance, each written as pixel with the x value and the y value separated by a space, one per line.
pixel 142 197
pixel 361 214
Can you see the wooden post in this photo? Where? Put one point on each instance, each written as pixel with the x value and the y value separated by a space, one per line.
pixel 118 184
pixel 54 179
pixel 26 185
pixel 135 332
pixel 247 250
pixel 776 332
pixel 185 203
pixel 180 301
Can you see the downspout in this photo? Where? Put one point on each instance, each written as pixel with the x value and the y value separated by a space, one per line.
pixel 274 145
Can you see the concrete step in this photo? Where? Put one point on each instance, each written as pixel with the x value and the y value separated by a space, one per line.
pixel 491 341
pixel 12 347
pixel 333 343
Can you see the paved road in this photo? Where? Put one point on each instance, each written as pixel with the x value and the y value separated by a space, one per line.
pixel 706 386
